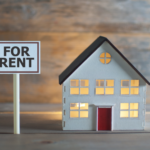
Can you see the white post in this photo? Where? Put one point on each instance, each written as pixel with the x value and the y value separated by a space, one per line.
pixel 16 95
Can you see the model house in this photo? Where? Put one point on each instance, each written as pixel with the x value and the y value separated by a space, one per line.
pixel 102 90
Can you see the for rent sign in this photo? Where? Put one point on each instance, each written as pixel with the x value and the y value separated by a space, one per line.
pixel 20 57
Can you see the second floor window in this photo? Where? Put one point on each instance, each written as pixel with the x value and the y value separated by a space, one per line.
pixel 76 88
pixel 129 87
pixel 104 87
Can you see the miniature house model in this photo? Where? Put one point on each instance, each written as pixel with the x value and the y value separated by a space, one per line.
pixel 102 90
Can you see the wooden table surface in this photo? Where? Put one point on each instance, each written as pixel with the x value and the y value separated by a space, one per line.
pixel 65 29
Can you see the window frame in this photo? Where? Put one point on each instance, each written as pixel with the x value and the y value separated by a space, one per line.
pixel 104 87
pixel 129 111
pixel 104 58
pixel 130 88
pixel 79 111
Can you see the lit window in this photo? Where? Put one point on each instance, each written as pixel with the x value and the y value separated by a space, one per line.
pixel 84 90
pixel 79 110
pixel 124 110
pixel 128 87
pixel 105 58
pixel 104 87
pixel 74 82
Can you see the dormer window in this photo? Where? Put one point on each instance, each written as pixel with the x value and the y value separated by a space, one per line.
pixel 105 58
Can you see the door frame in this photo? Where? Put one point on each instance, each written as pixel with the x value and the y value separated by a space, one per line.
pixel 112 115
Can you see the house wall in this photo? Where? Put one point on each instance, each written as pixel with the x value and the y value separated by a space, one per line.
pixel 93 69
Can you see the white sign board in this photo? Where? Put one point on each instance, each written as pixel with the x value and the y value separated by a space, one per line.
pixel 21 57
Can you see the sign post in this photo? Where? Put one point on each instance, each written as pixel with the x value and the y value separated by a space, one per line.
pixel 22 57
pixel 16 101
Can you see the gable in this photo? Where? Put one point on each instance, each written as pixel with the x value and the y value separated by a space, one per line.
pixel 98 43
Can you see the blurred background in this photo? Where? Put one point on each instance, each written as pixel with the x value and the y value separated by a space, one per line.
pixel 65 29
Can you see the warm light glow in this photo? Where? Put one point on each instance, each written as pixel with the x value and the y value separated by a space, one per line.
pixel 108 55
pixel 134 82
pixel 84 91
pixel 83 114
pixel 84 106
pixel 108 61
pixel 134 105
pixel 109 82
pixel 84 82
pixel 74 91
pixel 99 91
pixel 134 91
pixel 124 106
pixel 102 61
pixel 74 114
pixel 124 91
pixel 109 91
pixel 74 82
pixel 124 114
pixel 74 106
pixel 125 83
pixel 102 55
pixel 133 114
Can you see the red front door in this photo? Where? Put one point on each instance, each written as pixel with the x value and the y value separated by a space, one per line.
pixel 104 118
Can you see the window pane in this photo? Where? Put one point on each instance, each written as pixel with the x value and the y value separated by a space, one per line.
pixel 74 91
pixel 74 106
pixel 134 105
pixel 83 114
pixel 84 106
pixel 124 91
pixel 124 82
pixel 109 82
pixel 134 91
pixel 108 61
pixel 99 82
pixel 102 55
pixel 99 91
pixel 84 82
pixel 134 82
pixel 109 91
pixel 84 91
pixel 102 61
pixel 74 114
pixel 74 82
pixel 108 55
pixel 124 106
pixel 124 114
pixel 134 114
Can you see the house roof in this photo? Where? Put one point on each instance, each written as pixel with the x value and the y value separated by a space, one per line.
pixel 86 53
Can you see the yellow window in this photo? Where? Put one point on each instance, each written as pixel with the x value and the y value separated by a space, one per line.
pixel 99 82
pixel 124 91
pixel 83 114
pixel 84 106
pixel 74 82
pixel 99 91
pixel 84 82
pixel 134 91
pixel 108 61
pixel 74 91
pixel 74 114
pixel 108 55
pixel 102 55
pixel 109 82
pixel 134 105
pixel 109 91
pixel 133 114
pixel 124 114
pixel 125 83
pixel 124 106
pixel 102 61
pixel 74 106
pixel 84 91
pixel 134 82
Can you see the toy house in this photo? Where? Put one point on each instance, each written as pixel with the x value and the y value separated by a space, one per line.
pixel 102 90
